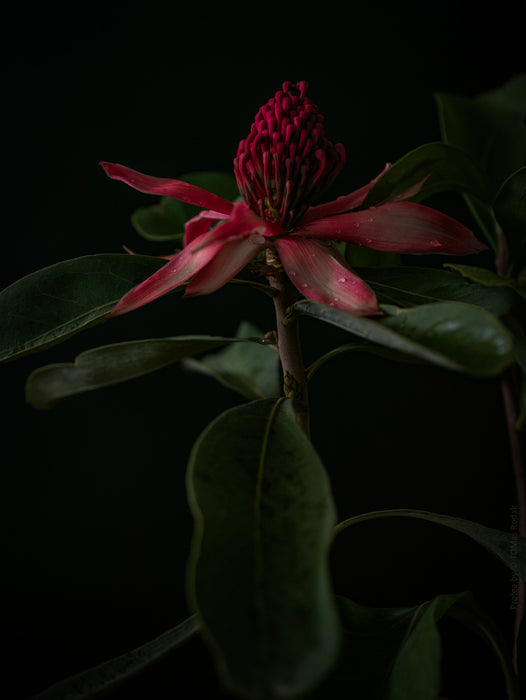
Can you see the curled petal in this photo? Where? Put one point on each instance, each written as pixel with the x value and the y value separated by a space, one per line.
pixel 176 189
pixel 322 275
pixel 341 204
pixel 399 227
pixel 200 224
pixel 234 255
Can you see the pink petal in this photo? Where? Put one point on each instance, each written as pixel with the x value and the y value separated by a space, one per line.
pixel 324 276
pixel 178 270
pixel 199 252
pixel 200 224
pixel 234 255
pixel 177 189
pixel 400 227
pixel 341 204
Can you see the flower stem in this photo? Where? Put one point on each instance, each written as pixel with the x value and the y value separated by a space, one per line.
pixel 289 344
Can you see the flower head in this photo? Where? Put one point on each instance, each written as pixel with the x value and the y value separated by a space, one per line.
pixel 282 166
pixel 286 162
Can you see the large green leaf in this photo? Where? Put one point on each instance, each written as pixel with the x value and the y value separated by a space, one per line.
pixel 458 336
pixel 118 362
pixel 53 303
pixel 506 546
pixel 258 574
pixel 104 677
pixel 510 210
pixel 251 369
pixel 491 128
pixel 411 286
pixel 447 169
pixel 165 220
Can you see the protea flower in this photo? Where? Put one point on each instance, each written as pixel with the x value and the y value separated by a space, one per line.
pixel 283 165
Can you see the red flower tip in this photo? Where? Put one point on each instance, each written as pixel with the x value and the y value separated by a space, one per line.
pixel 286 161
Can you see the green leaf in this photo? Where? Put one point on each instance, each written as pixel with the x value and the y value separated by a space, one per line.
pixel 491 128
pixel 504 545
pixel 159 222
pixel 51 304
pixel 395 653
pixel 510 210
pixel 361 256
pixel 251 369
pixel 447 168
pixel 411 286
pixel 166 220
pixel 258 574
pixel 469 614
pixel 100 679
pixel 480 275
pixel 110 364
pixel 416 672
pixel 453 335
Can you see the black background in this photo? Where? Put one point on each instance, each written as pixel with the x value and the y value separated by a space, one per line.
pixel 96 529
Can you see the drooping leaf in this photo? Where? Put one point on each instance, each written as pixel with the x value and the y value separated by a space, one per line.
pixel 102 678
pixel 258 575
pixel 412 286
pixel 395 653
pixel 416 671
pixel 453 335
pixel 53 303
pixel 504 545
pixel 110 364
pixel 470 615
pixel 447 169
pixel 251 369
pixel 165 220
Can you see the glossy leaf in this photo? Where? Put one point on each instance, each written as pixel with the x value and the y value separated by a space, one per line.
pixel 258 575
pixel 411 286
pixel 253 370
pixel 104 677
pixel 491 128
pixel 165 220
pixel 111 364
pixel 51 304
pixel 454 335
pixel 447 169
pixel 503 545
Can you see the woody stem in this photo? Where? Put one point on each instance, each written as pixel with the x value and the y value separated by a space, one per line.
pixel 289 344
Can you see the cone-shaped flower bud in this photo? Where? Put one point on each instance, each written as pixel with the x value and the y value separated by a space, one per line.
pixel 286 162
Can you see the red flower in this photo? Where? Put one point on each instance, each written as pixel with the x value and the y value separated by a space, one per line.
pixel 281 167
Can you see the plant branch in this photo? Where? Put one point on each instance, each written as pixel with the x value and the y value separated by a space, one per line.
pixel 517 457
pixel 289 345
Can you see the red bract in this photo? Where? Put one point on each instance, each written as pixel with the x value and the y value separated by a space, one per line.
pixel 281 167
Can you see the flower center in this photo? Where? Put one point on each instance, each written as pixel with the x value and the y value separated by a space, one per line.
pixel 286 161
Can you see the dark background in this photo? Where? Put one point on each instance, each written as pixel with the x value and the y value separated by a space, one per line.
pixel 96 529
